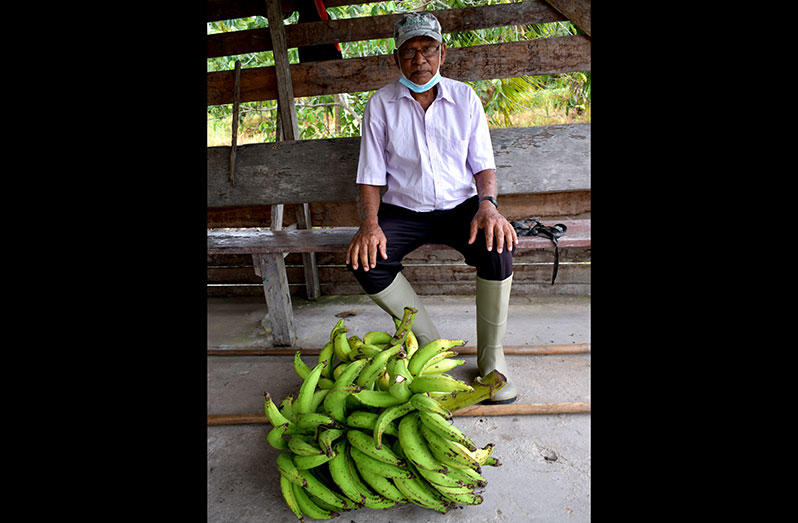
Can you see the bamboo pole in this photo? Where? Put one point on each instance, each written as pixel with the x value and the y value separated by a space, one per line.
pixel 520 409
pixel 575 348
pixel 237 419
pixel 511 409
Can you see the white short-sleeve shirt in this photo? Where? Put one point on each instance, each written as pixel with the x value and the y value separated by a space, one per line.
pixel 426 159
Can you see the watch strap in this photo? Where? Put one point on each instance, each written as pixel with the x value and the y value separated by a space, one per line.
pixel 491 199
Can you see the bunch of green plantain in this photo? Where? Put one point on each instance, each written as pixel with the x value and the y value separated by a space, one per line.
pixel 368 427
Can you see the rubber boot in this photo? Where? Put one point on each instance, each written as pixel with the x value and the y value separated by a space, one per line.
pixel 400 294
pixel 493 302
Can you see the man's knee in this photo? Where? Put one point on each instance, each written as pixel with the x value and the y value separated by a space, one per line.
pixel 374 280
pixel 492 265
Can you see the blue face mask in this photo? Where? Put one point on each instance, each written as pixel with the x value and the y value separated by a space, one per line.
pixel 427 86
pixel 420 88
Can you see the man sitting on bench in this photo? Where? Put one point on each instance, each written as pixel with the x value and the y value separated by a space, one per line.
pixel 426 137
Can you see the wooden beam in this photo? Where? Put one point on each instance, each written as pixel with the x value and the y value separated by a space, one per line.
pixel 378 27
pixel 561 54
pixel 282 70
pixel 528 159
pixel 547 206
pixel 577 11
pixel 445 267
pixel 512 409
pixel 337 239
pixel 527 350
pixel 229 9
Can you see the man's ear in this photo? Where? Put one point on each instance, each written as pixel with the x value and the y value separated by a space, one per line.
pixel 443 54
pixel 395 55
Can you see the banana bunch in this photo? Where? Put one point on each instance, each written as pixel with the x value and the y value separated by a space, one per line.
pixel 368 429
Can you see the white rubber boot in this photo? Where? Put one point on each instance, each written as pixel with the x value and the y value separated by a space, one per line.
pixel 398 295
pixel 493 302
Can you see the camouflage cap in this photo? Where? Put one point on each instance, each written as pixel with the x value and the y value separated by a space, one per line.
pixel 416 24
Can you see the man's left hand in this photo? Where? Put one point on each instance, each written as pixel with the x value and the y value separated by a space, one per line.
pixel 495 226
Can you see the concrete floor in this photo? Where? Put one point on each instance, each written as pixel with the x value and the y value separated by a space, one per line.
pixel 546 463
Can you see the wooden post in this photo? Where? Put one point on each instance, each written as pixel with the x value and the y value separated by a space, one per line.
pixel 234 140
pixel 312 285
pixel 290 128
pixel 287 126
pixel 278 297
pixel 272 266
pixel 282 70
pixel 277 217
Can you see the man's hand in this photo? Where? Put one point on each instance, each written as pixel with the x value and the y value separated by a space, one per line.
pixel 495 226
pixel 368 240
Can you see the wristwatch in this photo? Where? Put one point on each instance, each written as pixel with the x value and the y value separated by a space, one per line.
pixel 491 199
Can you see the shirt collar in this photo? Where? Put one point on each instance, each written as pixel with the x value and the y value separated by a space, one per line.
pixel 400 91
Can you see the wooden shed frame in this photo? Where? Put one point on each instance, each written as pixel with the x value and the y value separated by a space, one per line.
pixel 284 82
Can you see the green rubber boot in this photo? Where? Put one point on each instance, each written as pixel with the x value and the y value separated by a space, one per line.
pixel 493 302
pixel 399 294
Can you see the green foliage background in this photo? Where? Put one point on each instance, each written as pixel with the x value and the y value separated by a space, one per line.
pixel 502 98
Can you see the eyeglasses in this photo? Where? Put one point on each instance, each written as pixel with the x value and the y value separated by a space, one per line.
pixel 409 53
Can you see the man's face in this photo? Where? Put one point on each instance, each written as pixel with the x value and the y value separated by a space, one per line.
pixel 420 69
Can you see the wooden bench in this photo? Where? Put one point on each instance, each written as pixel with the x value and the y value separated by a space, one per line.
pixel 267 248
pixel 531 163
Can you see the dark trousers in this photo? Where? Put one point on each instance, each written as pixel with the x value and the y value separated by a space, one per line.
pixel 406 230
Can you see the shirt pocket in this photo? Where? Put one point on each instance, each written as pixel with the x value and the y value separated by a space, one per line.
pixel 402 147
pixel 455 152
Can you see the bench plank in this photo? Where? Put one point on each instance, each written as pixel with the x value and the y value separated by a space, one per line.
pixel 569 273
pixel 337 240
pixel 552 206
pixel 542 159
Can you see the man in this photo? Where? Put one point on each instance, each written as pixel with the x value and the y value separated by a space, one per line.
pixel 425 138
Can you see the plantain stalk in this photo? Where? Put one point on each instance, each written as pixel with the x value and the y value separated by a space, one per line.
pixel 483 389
pixel 404 327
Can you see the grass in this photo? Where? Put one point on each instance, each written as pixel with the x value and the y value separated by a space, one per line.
pixel 547 110
pixel 543 116
pixel 222 132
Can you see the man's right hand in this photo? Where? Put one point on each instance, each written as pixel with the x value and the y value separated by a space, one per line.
pixel 368 240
